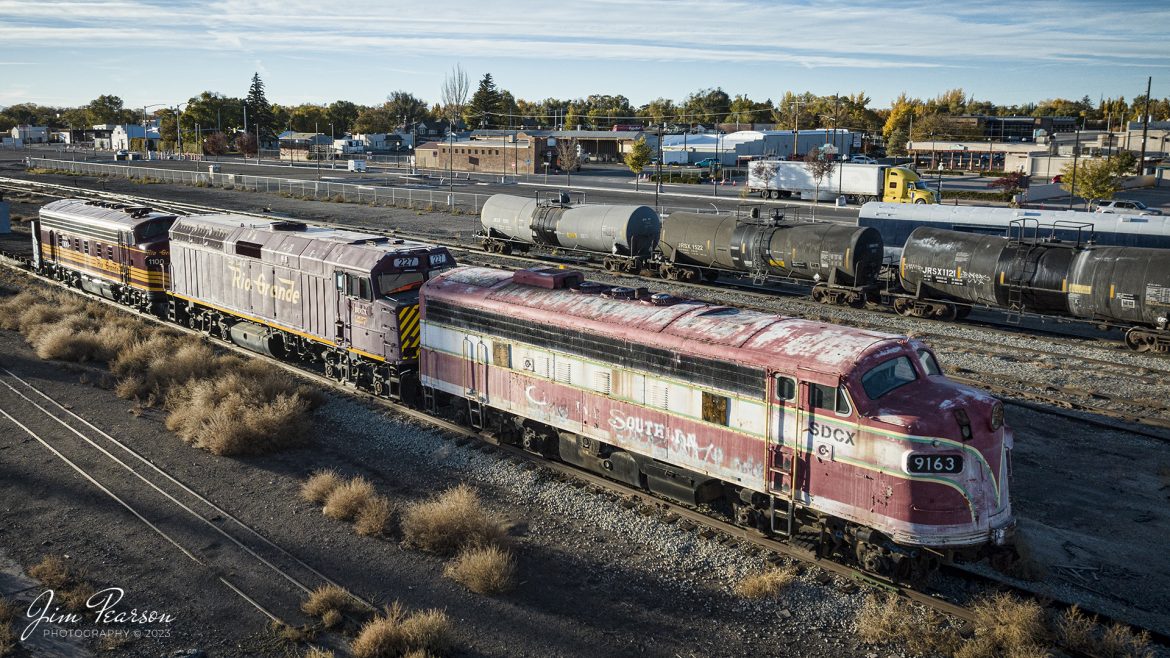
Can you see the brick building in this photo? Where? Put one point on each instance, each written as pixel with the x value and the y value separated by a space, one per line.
pixel 508 155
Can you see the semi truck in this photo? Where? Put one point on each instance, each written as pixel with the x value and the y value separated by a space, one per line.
pixel 858 183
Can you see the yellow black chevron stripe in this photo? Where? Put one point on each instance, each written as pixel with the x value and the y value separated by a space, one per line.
pixel 408 331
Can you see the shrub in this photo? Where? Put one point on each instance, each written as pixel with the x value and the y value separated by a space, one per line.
pixel 346 500
pixel 1009 623
pixel 394 634
pixel 767 584
pixel 327 599
pixel 373 519
pixel 7 635
pixel 880 620
pixel 451 521
pixel 318 487
pixel 316 652
pixel 1119 640
pixel 483 570
pixel 52 571
pixel 1075 629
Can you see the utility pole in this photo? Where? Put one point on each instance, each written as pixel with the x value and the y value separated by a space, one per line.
pixel 1072 190
pixel 658 178
pixel 1145 128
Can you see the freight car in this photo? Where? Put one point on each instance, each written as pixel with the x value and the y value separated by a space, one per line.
pixel 624 236
pixel 947 272
pixel 113 250
pixel 793 426
pixel 842 261
pixel 344 299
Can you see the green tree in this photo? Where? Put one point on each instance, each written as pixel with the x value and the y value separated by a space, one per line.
pixel 571 119
pixel 343 114
pixel 260 111
pixel 659 111
pixel 108 109
pixel 637 159
pixel 707 106
pixel 484 108
pixel 1092 179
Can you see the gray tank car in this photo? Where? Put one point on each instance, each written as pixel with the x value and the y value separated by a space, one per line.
pixel 345 299
pixel 945 273
pixel 626 236
pixel 842 261
pixel 1128 285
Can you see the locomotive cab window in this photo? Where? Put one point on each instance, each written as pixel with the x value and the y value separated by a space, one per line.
pixel 831 398
pixel 388 284
pixel 785 388
pixel 929 364
pixel 715 408
pixel 360 287
pixel 887 376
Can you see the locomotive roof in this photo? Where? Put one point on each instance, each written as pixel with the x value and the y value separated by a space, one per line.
pixel 721 332
pixel 287 238
pixel 121 217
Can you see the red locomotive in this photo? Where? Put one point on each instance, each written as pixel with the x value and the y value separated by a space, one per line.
pixel 795 426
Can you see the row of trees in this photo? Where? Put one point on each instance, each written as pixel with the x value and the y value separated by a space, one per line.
pixel 492 107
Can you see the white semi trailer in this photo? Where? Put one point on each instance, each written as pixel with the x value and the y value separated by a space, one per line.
pixel 858 183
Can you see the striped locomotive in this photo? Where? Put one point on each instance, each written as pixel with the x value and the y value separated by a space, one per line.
pixel 345 299
pixel 792 425
pixel 117 251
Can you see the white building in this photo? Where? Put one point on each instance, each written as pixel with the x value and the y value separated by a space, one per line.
pixel 31 134
pixel 121 137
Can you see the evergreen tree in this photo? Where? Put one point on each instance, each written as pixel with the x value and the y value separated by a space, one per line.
pixel 484 106
pixel 260 110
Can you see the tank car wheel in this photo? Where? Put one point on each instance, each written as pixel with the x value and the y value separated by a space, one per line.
pixel 961 312
pixel 667 272
pixel 610 265
pixel 1137 341
pixel 819 295
pixel 902 306
pixel 946 313
pixel 710 276
pixel 856 300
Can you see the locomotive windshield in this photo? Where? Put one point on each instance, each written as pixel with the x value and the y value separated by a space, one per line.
pixel 929 364
pixel 885 377
pixel 153 229
pixel 388 284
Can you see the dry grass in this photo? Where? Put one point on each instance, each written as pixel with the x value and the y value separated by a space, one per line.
pixel 70 587
pixel 53 572
pixel 7 635
pixel 483 569
pixel 1075 629
pixel 1119 640
pixel 767 584
pixel 394 633
pixel 315 652
pixel 329 599
pixel 891 619
pixel 347 499
pixel 451 521
pixel 1010 622
pixel 374 518
pixel 249 409
pixel 319 485
pixel 224 404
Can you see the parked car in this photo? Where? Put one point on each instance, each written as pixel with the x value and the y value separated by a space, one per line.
pixel 1126 207
pixel 707 162
pixel 862 159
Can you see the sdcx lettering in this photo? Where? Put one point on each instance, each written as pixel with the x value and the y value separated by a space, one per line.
pixel 840 435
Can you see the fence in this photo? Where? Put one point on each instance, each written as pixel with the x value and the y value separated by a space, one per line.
pixel 307 189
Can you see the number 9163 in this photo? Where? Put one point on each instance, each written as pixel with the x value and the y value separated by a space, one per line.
pixel 939 463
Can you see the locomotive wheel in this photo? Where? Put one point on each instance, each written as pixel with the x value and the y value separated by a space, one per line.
pixel 379 387
pixel 329 370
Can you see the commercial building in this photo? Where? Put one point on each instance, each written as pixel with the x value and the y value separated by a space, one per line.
pixel 506 156
pixel 304 146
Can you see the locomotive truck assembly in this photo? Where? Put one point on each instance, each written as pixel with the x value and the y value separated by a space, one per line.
pixel 795 427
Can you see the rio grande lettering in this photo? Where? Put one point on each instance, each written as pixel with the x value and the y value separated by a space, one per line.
pixel 285 292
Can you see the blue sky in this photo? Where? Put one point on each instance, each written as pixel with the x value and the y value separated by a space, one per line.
pixel 151 51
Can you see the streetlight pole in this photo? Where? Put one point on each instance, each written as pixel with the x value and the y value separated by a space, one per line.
pixel 1072 189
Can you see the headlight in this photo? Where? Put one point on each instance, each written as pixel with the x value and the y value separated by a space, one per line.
pixel 996 415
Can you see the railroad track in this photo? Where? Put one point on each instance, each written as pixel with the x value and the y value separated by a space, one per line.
pixel 705 524
pixel 260 572
pixel 1152 421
